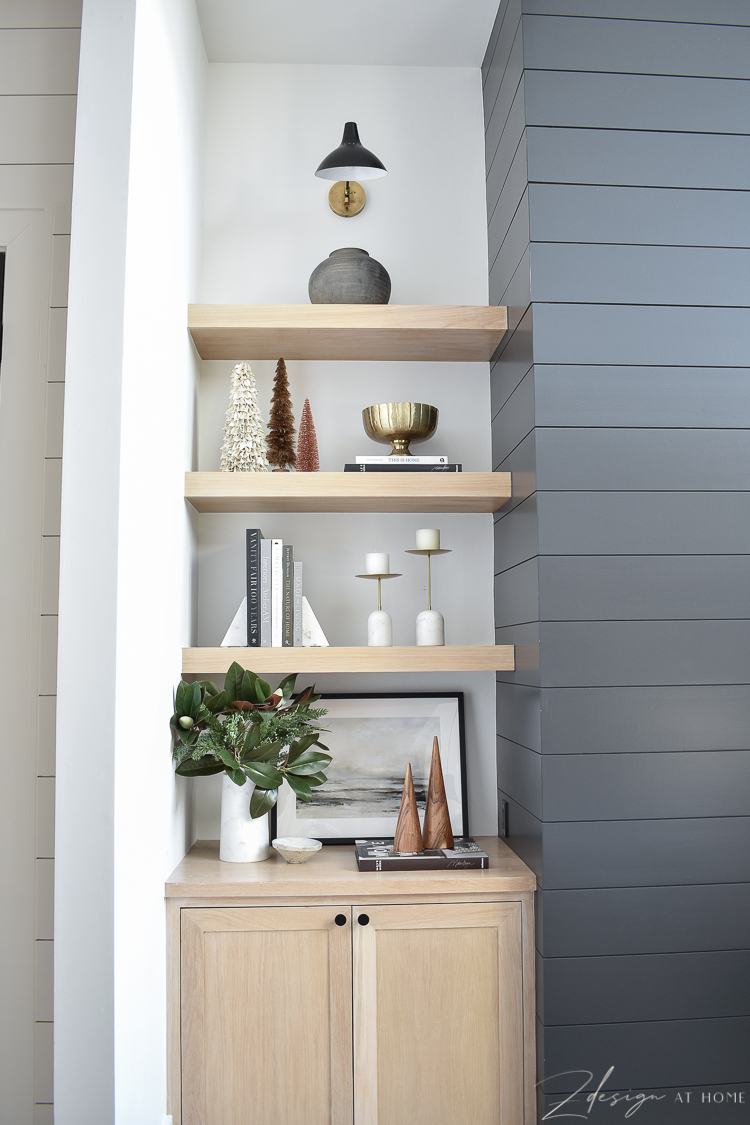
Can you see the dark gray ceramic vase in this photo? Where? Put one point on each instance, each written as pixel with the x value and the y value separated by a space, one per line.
pixel 349 277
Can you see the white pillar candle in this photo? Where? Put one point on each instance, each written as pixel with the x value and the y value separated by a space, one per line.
pixel 428 539
pixel 377 562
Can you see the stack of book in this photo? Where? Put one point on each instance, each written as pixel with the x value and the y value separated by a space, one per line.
pixel 274 593
pixel 378 855
pixel 402 465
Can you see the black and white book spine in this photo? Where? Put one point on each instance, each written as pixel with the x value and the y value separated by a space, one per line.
pixel 428 863
pixel 287 639
pixel 265 593
pixel 253 537
pixel 277 593
pixel 402 460
pixel 297 630
pixel 392 468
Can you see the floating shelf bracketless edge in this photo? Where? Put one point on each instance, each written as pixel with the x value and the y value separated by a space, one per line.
pixel 347 492
pixel 268 661
pixel 440 333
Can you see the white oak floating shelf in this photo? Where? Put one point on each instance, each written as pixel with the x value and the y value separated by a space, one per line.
pixel 267 661
pixel 347 492
pixel 355 332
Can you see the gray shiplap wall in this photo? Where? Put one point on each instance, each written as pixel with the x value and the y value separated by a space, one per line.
pixel 618 192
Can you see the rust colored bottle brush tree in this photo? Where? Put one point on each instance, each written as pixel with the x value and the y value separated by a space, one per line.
pixel 308 460
pixel 281 428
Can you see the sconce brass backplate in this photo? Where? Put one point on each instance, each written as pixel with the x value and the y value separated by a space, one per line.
pixel 347 203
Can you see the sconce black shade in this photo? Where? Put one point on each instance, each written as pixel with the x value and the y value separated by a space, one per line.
pixel 351 160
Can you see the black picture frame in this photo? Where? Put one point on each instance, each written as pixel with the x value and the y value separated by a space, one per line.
pixel 456 775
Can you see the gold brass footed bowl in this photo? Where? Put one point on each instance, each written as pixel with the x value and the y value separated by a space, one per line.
pixel 400 423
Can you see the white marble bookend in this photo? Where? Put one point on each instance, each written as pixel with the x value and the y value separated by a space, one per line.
pixel 236 635
pixel 312 634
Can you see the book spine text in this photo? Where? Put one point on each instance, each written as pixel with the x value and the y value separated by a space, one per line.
pixel 253 538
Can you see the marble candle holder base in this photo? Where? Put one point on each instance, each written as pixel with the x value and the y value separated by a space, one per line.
pixel 430 628
pixel 379 629
pixel 243 840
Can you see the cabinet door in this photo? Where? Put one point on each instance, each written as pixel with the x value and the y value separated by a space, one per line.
pixel 438 1019
pixel 266 1016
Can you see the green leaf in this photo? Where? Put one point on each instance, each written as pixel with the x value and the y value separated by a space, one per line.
pixel 232 681
pixel 316 779
pixel 237 776
pixel 246 687
pixel 194 703
pixel 309 763
pixel 261 801
pixel 227 758
pixel 263 774
pixel 301 745
pixel 209 688
pixel 300 787
pixel 262 690
pixel 265 753
pixel 216 703
pixel 202 768
pixel 286 687
pixel 181 697
pixel 252 739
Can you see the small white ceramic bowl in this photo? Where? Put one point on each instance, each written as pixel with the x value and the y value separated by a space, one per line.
pixel 296 849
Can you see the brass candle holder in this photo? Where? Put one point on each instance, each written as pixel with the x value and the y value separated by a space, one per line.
pixel 379 624
pixel 430 623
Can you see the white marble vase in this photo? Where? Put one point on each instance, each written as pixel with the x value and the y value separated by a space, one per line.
pixel 243 840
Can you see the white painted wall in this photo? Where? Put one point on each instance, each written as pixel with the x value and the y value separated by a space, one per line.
pixel 267 220
pixel 267 225
pixel 126 572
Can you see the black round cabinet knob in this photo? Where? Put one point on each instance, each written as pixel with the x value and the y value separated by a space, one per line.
pixel 363 919
pixel 340 919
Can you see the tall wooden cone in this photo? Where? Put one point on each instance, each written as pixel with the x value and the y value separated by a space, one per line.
pixel 437 822
pixel 408 836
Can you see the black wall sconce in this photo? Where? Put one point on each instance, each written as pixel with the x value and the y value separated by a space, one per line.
pixel 348 164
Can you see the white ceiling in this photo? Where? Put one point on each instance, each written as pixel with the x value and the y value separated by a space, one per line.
pixel 365 32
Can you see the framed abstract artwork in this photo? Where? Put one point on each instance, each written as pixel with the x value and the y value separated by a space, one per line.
pixel 372 738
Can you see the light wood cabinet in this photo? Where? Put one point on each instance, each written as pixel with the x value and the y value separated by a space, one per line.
pixel 316 995
pixel 266 1016
pixel 438 1015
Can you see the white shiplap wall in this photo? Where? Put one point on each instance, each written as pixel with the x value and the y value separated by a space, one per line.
pixel 39 41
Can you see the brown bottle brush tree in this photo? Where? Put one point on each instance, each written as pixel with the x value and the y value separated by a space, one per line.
pixel 307 442
pixel 281 429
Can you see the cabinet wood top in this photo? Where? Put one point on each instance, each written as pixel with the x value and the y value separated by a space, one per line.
pixel 384 332
pixel 332 873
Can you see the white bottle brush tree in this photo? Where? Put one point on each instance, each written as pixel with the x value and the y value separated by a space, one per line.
pixel 244 448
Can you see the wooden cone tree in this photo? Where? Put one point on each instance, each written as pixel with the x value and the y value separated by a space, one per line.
pixel 307 442
pixel 437 822
pixel 408 836
pixel 281 430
